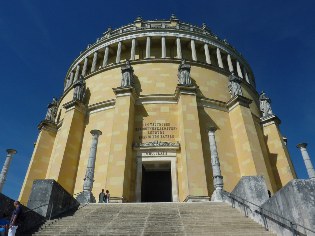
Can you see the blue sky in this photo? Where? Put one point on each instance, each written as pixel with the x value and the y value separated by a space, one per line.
pixel 40 39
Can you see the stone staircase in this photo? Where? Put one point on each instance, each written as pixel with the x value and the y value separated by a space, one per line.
pixel 154 219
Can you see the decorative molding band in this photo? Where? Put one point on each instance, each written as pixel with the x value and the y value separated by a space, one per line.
pixel 75 104
pixel 238 100
pixel 156 99
pixel 101 106
pixel 156 145
pixel 187 90
pixel 59 124
pixel 125 91
pixel 211 103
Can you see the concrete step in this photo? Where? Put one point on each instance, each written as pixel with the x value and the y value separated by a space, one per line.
pixel 154 219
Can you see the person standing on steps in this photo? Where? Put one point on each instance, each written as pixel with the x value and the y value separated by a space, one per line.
pixel 107 196
pixel 102 197
pixel 15 219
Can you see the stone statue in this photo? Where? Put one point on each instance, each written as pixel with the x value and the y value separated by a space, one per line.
pixel 67 84
pixel 79 89
pixel 265 104
pixel 127 75
pixel 51 111
pixel 235 85
pixel 184 73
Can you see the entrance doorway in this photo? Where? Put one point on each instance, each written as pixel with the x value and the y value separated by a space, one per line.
pixel 156 183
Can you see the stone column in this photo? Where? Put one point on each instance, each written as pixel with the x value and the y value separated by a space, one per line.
pixel 307 160
pixel 230 63
pixel 217 177
pixel 246 77
pixel 71 78
pixel 89 175
pixel 76 76
pixel 148 47
pixel 239 71
pixel 193 50
pixel 84 66
pixel 105 59
pixel 94 62
pixel 163 47
pixel 133 49
pixel 6 165
pixel 207 54
pixel 220 63
pixel 118 52
pixel 179 48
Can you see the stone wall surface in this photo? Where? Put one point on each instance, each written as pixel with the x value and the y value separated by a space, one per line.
pixel 252 189
pixel 294 203
pixel 30 220
pixel 49 199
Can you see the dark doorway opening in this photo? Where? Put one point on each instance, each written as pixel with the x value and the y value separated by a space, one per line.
pixel 156 185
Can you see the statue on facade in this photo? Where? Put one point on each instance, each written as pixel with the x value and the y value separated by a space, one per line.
pixel 265 104
pixel 79 89
pixel 235 85
pixel 184 74
pixel 51 111
pixel 127 75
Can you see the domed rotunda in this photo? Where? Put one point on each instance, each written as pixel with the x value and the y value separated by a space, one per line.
pixel 159 111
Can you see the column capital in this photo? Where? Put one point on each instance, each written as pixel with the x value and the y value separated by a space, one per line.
pixel 96 132
pixel 212 129
pixel 238 100
pixel 301 145
pixel 11 151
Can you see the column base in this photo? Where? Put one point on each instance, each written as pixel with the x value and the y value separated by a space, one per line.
pixel 197 199
pixel 116 200
pixel 86 197
pixel 217 196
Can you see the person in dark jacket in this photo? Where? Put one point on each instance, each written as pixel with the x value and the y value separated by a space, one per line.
pixel 102 197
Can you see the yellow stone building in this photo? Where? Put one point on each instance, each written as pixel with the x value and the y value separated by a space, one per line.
pixel 152 114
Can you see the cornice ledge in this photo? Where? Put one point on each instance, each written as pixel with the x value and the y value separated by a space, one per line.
pixel 211 103
pixel 75 104
pixel 156 145
pixel 238 100
pixel 270 119
pixel 125 91
pixel 47 125
pixel 187 90
pixel 100 105
pixel 156 99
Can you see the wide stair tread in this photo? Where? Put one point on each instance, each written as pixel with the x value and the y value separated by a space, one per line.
pixel 155 219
